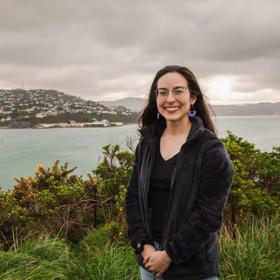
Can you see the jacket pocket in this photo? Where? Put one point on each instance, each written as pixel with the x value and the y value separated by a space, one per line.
pixel 195 265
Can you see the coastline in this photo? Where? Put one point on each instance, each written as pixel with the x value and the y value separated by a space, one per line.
pixel 120 124
pixel 68 125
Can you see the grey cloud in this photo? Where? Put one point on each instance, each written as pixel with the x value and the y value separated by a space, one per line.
pixel 94 48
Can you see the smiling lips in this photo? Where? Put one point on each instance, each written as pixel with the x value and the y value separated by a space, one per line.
pixel 171 108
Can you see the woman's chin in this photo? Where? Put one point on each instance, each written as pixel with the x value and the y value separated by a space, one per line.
pixel 175 117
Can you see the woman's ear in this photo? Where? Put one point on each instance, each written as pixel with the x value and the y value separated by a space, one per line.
pixel 193 99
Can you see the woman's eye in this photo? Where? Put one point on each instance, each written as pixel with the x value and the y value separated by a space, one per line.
pixel 178 91
pixel 163 92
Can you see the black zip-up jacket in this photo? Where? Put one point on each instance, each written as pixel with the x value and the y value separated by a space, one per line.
pixel 199 190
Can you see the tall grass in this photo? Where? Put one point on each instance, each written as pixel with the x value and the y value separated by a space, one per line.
pixel 112 263
pixel 103 255
pixel 254 254
pixel 35 259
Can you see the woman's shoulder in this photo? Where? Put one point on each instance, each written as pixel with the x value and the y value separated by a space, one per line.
pixel 212 144
pixel 210 137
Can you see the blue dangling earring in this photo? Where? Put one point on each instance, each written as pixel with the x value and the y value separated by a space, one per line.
pixel 158 115
pixel 192 112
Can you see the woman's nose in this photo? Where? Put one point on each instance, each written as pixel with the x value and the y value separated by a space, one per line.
pixel 170 97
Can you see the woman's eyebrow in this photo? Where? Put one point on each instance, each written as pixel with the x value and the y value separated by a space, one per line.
pixel 174 87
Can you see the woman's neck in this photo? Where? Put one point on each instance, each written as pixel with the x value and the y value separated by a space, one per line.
pixel 177 128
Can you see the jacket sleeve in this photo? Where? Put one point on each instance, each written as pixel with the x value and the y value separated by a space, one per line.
pixel 215 181
pixel 136 230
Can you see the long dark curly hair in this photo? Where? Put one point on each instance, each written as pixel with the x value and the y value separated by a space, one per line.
pixel 149 114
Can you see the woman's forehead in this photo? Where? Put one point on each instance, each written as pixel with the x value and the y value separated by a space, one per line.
pixel 172 79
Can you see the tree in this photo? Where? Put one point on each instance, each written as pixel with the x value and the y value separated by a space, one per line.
pixel 250 193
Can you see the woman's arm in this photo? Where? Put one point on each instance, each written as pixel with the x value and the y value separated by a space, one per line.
pixel 136 230
pixel 206 218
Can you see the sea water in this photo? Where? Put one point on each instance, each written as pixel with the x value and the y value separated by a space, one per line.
pixel 21 150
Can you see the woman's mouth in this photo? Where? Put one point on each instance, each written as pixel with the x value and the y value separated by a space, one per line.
pixel 171 108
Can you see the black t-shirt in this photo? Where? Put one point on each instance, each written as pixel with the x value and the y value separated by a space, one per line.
pixel 159 191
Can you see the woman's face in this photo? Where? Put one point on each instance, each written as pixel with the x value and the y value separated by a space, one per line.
pixel 173 97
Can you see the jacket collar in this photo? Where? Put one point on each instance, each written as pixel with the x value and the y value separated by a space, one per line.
pixel 155 130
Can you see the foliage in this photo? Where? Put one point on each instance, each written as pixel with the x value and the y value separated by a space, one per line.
pixel 53 201
pixel 255 253
pixel 101 237
pixel 267 172
pixel 103 254
pixel 100 255
pixel 112 176
pixel 255 188
pixel 114 262
pixel 40 258
pixel 56 202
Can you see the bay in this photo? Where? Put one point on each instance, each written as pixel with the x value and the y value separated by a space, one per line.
pixel 21 150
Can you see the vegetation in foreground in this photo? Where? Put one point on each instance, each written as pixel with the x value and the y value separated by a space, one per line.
pixel 104 254
pixel 56 225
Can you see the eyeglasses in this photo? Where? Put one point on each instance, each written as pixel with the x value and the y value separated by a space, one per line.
pixel 176 91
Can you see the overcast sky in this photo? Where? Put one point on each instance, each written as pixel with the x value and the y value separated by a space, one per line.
pixel 106 50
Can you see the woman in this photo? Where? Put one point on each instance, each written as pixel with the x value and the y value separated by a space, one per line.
pixel 179 183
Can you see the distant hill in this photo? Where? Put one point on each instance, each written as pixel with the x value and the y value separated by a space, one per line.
pixel 135 104
pixel 262 108
pixel 28 108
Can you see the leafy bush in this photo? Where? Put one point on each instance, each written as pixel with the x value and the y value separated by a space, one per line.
pixel 253 192
pixel 112 177
pixel 53 202
pixel 61 204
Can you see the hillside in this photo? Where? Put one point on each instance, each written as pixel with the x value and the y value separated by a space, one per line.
pixel 28 108
pixel 261 109
pixel 135 104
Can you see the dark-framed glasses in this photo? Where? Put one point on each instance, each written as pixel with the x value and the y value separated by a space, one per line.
pixel 176 91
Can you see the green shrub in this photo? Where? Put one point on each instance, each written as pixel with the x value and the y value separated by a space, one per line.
pixel 100 238
pixel 52 202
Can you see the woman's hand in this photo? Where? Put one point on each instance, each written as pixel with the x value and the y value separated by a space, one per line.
pixel 147 250
pixel 157 262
